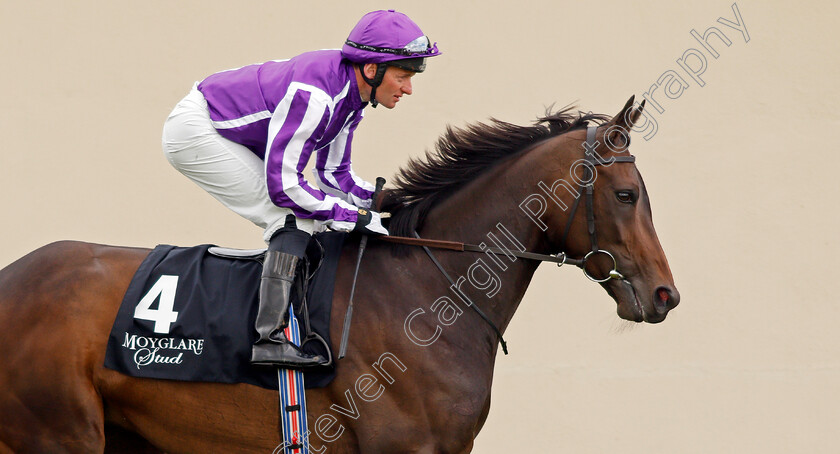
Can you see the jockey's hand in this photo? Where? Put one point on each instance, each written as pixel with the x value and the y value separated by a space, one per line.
pixel 359 202
pixel 369 223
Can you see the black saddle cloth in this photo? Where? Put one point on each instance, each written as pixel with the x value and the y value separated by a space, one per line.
pixel 189 315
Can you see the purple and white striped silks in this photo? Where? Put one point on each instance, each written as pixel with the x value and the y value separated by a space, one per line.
pixel 284 111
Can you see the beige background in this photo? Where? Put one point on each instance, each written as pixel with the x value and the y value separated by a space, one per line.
pixel 741 176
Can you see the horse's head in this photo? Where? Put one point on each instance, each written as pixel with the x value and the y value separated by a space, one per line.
pixel 641 283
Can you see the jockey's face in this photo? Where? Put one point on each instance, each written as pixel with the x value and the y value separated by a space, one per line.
pixel 395 84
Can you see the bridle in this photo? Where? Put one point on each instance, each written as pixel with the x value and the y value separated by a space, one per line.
pixel 585 191
pixel 587 188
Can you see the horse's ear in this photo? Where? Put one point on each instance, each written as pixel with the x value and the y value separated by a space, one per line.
pixel 625 120
pixel 636 112
pixel 629 114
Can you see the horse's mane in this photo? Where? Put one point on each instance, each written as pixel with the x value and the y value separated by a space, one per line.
pixel 461 155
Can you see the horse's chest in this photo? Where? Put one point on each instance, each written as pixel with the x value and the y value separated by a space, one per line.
pixel 467 406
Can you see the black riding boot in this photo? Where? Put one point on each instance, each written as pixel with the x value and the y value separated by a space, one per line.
pixel 272 348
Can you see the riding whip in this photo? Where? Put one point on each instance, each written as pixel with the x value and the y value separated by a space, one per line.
pixel 348 316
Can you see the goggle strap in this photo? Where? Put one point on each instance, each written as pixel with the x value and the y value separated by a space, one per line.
pixel 386 50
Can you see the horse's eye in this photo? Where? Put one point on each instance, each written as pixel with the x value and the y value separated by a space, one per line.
pixel 625 196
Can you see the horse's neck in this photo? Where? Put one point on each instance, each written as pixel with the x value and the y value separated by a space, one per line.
pixel 486 211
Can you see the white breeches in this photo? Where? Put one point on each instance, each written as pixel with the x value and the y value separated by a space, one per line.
pixel 230 172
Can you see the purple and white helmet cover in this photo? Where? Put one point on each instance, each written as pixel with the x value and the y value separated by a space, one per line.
pixel 382 36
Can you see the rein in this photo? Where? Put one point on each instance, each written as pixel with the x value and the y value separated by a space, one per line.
pixel 560 259
pixel 585 190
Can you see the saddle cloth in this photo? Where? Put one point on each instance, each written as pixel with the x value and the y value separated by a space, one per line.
pixel 189 315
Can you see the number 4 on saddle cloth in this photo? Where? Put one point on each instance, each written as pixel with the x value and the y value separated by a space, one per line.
pixel 189 315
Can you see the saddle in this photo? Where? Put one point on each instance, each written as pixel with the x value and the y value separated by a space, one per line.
pixel 188 314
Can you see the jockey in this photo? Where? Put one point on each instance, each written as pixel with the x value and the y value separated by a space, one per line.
pixel 246 135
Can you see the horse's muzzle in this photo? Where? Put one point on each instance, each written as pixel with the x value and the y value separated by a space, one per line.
pixel 633 305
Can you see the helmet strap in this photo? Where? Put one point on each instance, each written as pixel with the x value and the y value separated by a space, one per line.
pixel 375 82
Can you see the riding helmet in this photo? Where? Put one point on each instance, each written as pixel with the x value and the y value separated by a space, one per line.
pixel 388 38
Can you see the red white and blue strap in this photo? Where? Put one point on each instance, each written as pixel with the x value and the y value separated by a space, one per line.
pixel 293 399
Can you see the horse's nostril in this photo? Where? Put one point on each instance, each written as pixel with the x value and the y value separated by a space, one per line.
pixel 663 300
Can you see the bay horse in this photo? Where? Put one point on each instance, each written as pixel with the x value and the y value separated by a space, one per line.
pixel 419 368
